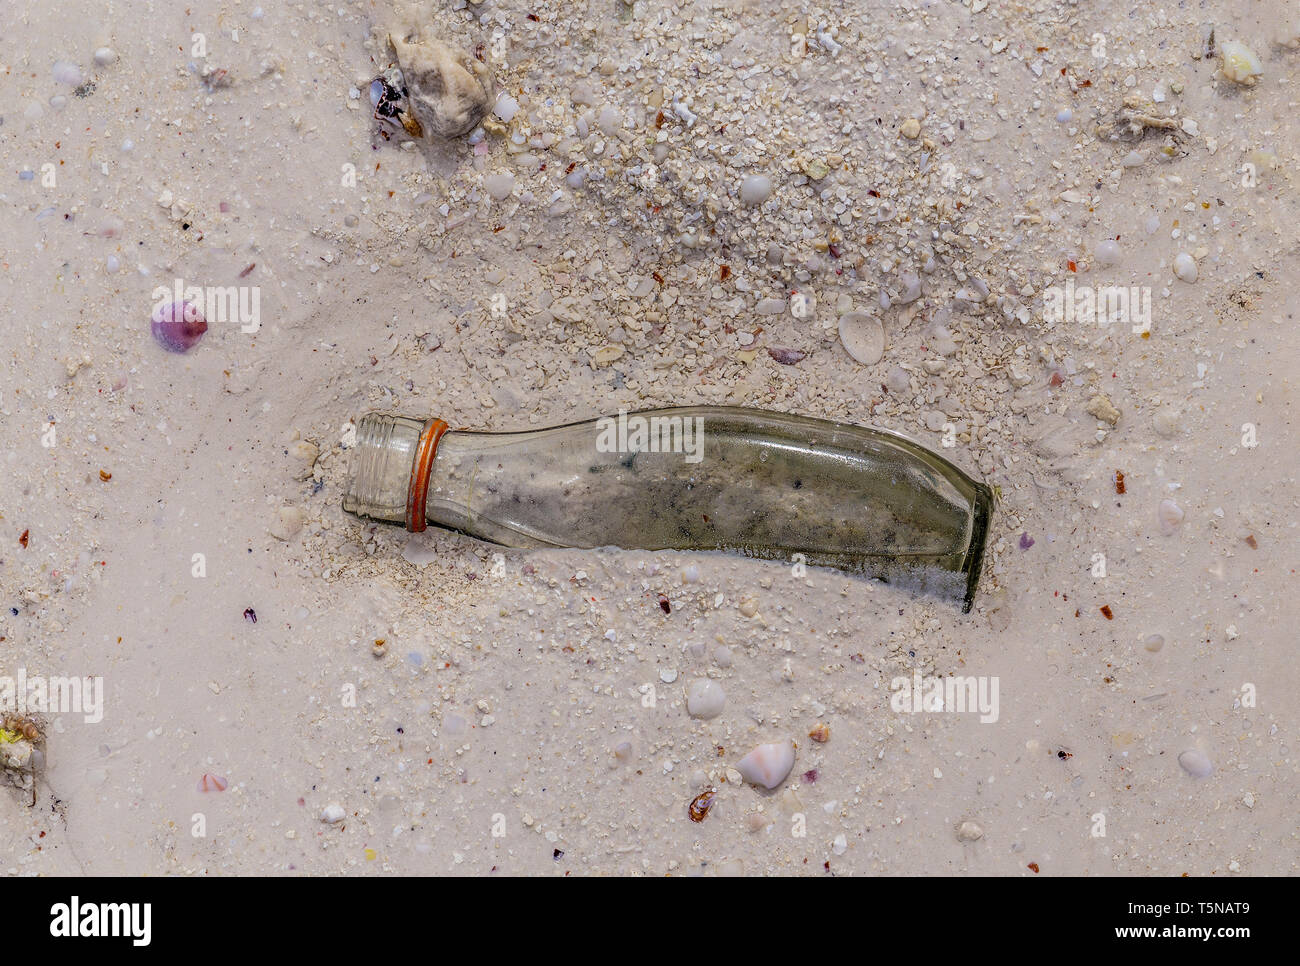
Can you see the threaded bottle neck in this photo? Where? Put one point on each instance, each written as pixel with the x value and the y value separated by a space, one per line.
pixel 380 473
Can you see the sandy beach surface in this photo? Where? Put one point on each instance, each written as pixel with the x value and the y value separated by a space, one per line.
pixel 894 214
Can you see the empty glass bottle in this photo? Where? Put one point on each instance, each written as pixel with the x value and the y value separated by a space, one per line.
pixel 762 484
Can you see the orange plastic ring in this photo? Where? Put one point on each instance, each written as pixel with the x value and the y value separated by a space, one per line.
pixel 418 491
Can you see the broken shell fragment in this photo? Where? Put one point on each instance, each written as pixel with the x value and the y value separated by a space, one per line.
pixel 767 765
pixel 287 523
pixel 1196 763
pixel 303 454
pixel 1170 515
pixel 410 125
pixel 446 97
pixel 705 699
pixel 1238 63
pixel 212 783
pixel 863 337
pixel 15 752
pixel 1185 267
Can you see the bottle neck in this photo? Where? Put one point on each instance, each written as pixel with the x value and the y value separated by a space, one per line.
pixel 379 482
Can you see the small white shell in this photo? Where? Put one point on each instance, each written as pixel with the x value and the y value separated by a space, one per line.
pixel 1185 267
pixel 1107 253
pixel 500 185
pixel 911 288
pixel 705 699
pixel 767 765
pixel 1239 63
pixel 1170 515
pixel 506 107
pixel 862 337
pixel 755 189
pixel 66 72
pixel 1196 763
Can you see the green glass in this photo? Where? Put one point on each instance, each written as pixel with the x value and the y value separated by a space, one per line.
pixel 762 484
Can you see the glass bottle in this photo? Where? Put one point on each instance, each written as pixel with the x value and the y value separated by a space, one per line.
pixel 762 484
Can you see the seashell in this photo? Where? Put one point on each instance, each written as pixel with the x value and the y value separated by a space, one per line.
pixel 863 337
pixel 785 356
pixel 1107 253
pixel 212 783
pixel 605 355
pixel 767 765
pixel 410 125
pixel 1185 267
pixel 755 189
pixel 705 699
pixel 1196 763
pixel 304 453
pixel 178 326
pixel 1238 63
pixel 287 523
pixel 499 186
pixel 66 72
pixel 446 97
pixel 506 108
pixel 700 805
pixel 1170 515
pixel 911 288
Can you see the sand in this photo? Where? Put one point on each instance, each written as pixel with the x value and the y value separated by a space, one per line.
pixel 955 171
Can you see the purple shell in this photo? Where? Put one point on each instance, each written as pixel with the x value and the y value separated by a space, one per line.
pixel 178 326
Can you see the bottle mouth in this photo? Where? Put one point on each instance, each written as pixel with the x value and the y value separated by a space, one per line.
pixel 380 471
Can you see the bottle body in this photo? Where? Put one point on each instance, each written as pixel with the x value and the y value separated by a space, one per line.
pixel 766 485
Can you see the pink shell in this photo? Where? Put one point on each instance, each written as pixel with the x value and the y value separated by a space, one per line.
pixel 212 783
